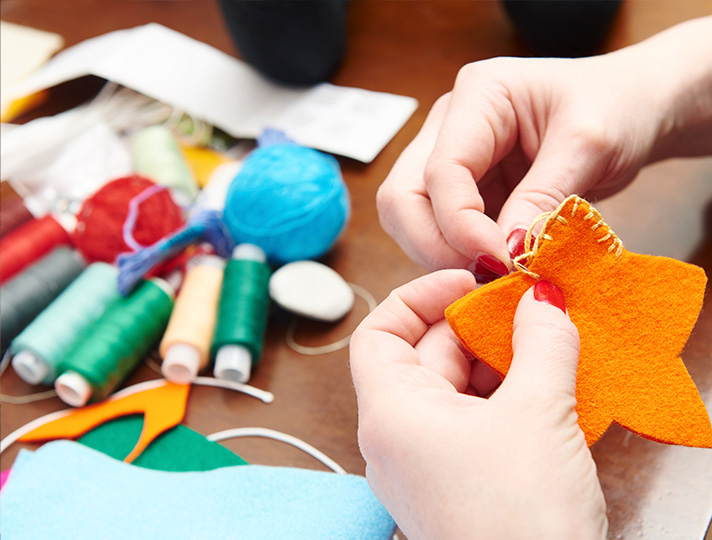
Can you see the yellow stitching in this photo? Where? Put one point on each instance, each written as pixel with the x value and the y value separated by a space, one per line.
pixel 531 251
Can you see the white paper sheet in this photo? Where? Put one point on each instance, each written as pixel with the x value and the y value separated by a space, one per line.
pixel 227 93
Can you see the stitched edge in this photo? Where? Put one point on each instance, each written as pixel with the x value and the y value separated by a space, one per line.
pixel 530 250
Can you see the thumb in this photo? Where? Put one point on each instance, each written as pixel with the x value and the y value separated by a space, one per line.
pixel 556 173
pixel 545 345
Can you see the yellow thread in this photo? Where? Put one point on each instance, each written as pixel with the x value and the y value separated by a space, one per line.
pixel 604 238
pixel 577 201
pixel 562 219
pixel 519 266
pixel 589 215
pixel 528 237
pixel 546 236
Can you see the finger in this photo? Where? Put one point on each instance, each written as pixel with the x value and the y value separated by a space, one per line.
pixel 562 167
pixel 545 346
pixel 386 338
pixel 479 129
pixel 440 351
pixel 404 208
pixel 413 225
pixel 483 379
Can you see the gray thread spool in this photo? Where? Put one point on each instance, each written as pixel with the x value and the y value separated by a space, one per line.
pixel 24 296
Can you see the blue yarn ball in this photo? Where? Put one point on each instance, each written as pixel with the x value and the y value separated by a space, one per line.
pixel 289 200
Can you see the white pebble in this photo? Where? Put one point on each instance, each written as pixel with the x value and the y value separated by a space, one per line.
pixel 311 289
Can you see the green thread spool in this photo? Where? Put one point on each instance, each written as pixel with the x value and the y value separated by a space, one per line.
pixel 24 296
pixel 39 348
pixel 156 154
pixel 109 350
pixel 242 314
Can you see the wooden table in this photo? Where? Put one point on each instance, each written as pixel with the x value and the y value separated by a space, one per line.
pixel 415 48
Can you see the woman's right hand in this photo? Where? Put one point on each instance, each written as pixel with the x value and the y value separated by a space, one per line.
pixel 516 136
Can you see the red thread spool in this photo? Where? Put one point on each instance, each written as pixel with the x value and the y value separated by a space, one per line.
pixel 12 209
pixel 98 235
pixel 28 243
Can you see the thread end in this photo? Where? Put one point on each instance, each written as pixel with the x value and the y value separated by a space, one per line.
pixel 181 363
pixel 30 368
pixel 73 389
pixel 233 363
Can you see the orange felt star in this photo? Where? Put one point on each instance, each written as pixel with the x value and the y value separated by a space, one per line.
pixel 162 405
pixel 633 312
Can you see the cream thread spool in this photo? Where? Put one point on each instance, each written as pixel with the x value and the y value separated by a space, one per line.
pixel 185 347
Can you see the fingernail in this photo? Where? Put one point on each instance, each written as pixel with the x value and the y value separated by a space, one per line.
pixel 482 275
pixel 549 294
pixel 488 263
pixel 515 242
pixel 487 268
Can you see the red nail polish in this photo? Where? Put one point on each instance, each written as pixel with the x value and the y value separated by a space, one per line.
pixel 515 242
pixel 482 275
pixel 484 278
pixel 550 294
pixel 488 264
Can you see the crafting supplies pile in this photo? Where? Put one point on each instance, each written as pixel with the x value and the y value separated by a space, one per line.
pixel 171 252
pixel 178 249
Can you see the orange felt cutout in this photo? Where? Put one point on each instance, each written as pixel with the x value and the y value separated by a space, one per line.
pixel 163 407
pixel 634 314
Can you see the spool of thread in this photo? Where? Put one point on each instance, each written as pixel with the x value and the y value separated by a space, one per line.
pixel 185 347
pixel 12 209
pixel 242 314
pixel 109 350
pixel 212 195
pixel 27 294
pixel 156 154
pixel 28 243
pixel 39 348
pixel 289 200
pixel 100 220
pixel 202 161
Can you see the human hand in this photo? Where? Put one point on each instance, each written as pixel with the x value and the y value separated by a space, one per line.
pixel 516 136
pixel 449 464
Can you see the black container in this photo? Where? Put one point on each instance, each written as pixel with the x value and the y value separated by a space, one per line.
pixel 563 28
pixel 292 42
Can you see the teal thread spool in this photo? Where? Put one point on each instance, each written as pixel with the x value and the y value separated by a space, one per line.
pixel 242 314
pixel 109 350
pixel 39 348
pixel 24 296
pixel 156 154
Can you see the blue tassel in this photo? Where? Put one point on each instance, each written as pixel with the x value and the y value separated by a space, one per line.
pixel 206 226
pixel 272 136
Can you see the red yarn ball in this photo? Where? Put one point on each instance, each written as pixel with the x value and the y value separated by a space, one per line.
pixel 98 235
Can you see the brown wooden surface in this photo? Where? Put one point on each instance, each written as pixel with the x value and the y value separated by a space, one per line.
pixel 415 48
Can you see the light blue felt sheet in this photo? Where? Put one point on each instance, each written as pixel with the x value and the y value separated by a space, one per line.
pixel 66 490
